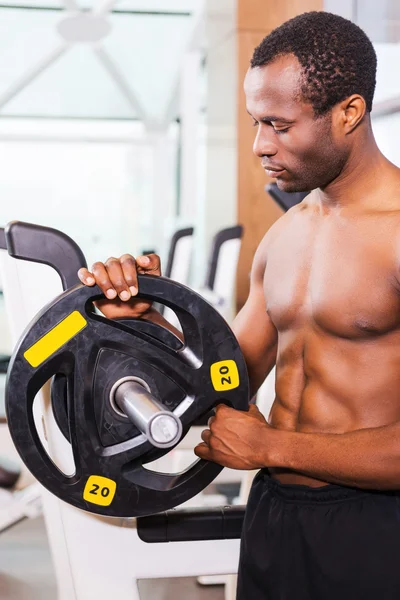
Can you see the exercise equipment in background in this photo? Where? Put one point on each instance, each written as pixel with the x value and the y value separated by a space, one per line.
pixel 180 255
pixel 285 200
pixel 219 285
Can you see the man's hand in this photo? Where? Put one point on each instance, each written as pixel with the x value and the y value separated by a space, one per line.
pixel 117 278
pixel 237 439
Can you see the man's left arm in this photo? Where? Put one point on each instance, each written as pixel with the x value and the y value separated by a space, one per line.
pixel 365 458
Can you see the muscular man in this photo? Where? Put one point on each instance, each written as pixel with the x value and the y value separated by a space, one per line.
pixel 323 518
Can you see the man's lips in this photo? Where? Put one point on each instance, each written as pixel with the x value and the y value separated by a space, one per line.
pixel 273 171
pixel 273 168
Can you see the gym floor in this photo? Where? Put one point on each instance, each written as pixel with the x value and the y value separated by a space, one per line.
pixel 26 571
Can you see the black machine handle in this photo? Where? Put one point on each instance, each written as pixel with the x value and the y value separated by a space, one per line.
pixel 192 524
pixel 188 231
pixel 47 246
pixel 285 199
pixel 230 233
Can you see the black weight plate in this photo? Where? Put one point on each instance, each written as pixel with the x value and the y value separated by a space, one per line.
pixel 67 337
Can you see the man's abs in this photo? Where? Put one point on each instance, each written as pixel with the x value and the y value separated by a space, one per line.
pixel 328 385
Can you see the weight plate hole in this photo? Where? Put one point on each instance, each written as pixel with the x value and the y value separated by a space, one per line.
pixel 49 431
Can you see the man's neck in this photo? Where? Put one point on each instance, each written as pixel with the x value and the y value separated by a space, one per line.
pixel 360 184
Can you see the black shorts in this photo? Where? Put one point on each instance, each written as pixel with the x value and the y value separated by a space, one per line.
pixel 326 543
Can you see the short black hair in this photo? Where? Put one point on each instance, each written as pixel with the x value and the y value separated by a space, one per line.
pixel 337 57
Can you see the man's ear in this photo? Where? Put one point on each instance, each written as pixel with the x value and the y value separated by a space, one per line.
pixel 350 112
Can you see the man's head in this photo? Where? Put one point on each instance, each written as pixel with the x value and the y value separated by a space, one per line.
pixel 309 89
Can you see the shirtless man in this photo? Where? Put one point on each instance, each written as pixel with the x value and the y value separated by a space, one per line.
pixel 323 518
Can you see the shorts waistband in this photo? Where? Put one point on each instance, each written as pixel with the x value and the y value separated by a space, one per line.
pixel 324 494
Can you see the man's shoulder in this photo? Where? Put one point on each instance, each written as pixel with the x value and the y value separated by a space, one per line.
pixel 304 208
pixel 277 229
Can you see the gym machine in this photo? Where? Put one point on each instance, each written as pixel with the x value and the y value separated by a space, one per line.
pixel 179 255
pixel 285 200
pixel 220 278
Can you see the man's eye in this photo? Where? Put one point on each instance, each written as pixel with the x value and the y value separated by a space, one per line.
pixel 255 123
pixel 278 131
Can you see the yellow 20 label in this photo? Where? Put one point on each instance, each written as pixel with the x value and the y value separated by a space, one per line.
pixel 224 375
pixel 99 490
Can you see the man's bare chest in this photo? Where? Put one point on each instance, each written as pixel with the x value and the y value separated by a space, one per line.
pixel 344 282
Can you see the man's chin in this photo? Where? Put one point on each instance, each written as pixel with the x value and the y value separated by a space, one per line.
pixel 291 187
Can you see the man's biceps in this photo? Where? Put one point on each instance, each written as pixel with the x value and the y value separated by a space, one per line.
pixel 252 315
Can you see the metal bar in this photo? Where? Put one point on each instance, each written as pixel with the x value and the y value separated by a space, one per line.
pixel 31 74
pixel 162 428
pixel 118 78
pixel 137 403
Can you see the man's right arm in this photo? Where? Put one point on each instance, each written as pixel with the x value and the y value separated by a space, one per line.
pixel 254 330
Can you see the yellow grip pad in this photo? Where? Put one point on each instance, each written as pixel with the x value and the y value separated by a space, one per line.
pixel 55 338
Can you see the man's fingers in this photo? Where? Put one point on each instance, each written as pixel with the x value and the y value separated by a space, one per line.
pixel 86 277
pixel 151 263
pixel 103 281
pixel 202 451
pixel 117 279
pixel 205 436
pixel 129 270
pixel 222 407
pixel 144 261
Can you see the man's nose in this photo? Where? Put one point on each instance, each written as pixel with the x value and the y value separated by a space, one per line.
pixel 264 145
